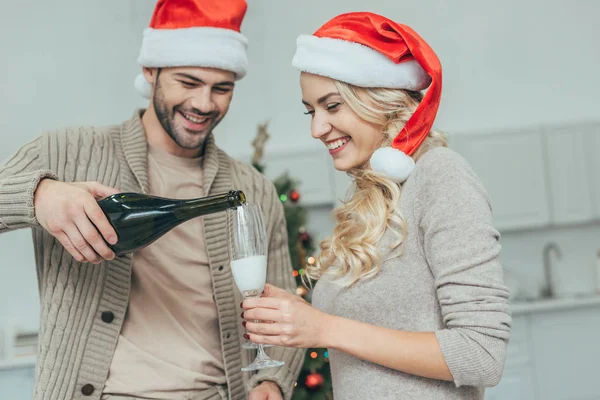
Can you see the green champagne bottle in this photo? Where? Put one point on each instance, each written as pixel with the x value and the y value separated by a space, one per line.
pixel 140 219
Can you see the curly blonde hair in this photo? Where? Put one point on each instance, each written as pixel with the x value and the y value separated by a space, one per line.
pixel 351 251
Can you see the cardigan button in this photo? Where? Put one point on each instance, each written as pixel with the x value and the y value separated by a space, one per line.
pixel 107 316
pixel 87 390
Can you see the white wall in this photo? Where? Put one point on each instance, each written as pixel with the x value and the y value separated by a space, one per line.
pixel 506 64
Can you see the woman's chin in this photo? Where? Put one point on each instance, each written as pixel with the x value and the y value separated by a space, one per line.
pixel 344 164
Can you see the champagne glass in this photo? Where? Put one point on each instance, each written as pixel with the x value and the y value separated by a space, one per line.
pixel 248 253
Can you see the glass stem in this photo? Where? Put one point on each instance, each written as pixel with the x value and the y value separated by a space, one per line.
pixel 261 352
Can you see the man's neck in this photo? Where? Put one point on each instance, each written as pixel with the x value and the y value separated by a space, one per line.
pixel 159 138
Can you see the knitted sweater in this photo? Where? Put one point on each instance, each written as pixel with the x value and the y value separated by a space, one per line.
pixel 447 280
pixel 75 344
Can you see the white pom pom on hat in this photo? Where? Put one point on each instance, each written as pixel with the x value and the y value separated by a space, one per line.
pixel 393 163
pixel 142 86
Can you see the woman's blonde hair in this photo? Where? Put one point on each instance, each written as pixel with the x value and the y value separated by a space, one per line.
pixel 351 251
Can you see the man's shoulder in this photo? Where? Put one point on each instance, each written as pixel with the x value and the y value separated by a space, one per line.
pixel 97 132
pixel 75 132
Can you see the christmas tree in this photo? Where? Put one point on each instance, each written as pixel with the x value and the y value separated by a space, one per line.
pixel 314 382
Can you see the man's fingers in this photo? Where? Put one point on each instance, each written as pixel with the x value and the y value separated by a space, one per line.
pixel 81 244
pixel 95 214
pixel 100 191
pixel 93 238
pixel 66 242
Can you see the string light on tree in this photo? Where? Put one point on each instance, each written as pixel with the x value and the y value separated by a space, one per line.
pixel 301 291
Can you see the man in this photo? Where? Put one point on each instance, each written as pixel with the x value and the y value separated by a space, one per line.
pixel 164 322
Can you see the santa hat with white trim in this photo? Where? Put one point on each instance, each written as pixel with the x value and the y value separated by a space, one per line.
pixel 369 50
pixel 194 33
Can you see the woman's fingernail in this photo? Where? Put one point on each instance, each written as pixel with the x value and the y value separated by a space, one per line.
pixel 244 324
pixel 242 315
pixel 242 304
pixel 246 336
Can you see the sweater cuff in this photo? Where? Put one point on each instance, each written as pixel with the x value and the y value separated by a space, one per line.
pixel 452 347
pixel 16 199
pixel 472 361
pixel 282 376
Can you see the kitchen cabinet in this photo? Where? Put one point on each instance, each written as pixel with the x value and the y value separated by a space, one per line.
pixel 569 169
pixel 553 351
pixel 511 167
pixel 592 152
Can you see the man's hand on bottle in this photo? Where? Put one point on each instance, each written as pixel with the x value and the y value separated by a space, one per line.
pixel 70 213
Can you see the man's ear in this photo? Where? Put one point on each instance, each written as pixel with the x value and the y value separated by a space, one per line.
pixel 150 74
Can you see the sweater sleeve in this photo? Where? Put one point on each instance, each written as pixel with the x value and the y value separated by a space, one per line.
pixel 462 249
pixel 19 178
pixel 279 273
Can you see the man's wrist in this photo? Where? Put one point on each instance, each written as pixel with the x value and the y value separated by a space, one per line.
pixel 41 185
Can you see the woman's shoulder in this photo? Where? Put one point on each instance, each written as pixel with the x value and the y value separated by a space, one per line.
pixel 442 171
pixel 441 159
pixel 441 164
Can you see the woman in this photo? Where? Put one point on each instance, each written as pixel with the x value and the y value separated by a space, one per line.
pixel 410 299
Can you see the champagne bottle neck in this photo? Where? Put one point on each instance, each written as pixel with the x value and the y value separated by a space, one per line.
pixel 211 204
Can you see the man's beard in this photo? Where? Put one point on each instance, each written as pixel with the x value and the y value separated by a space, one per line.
pixel 180 135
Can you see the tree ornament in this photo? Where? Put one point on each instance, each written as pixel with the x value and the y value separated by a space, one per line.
pixel 314 381
pixel 305 238
pixel 294 196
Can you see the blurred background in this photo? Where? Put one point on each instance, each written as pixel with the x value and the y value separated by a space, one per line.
pixel 520 102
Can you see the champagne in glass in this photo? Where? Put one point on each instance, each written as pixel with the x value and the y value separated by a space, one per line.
pixel 250 274
pixel 248 253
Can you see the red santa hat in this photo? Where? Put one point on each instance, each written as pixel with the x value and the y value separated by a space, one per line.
pixel 369 50
pixel 194 33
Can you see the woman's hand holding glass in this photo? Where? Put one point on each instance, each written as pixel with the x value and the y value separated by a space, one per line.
pixel 283 319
